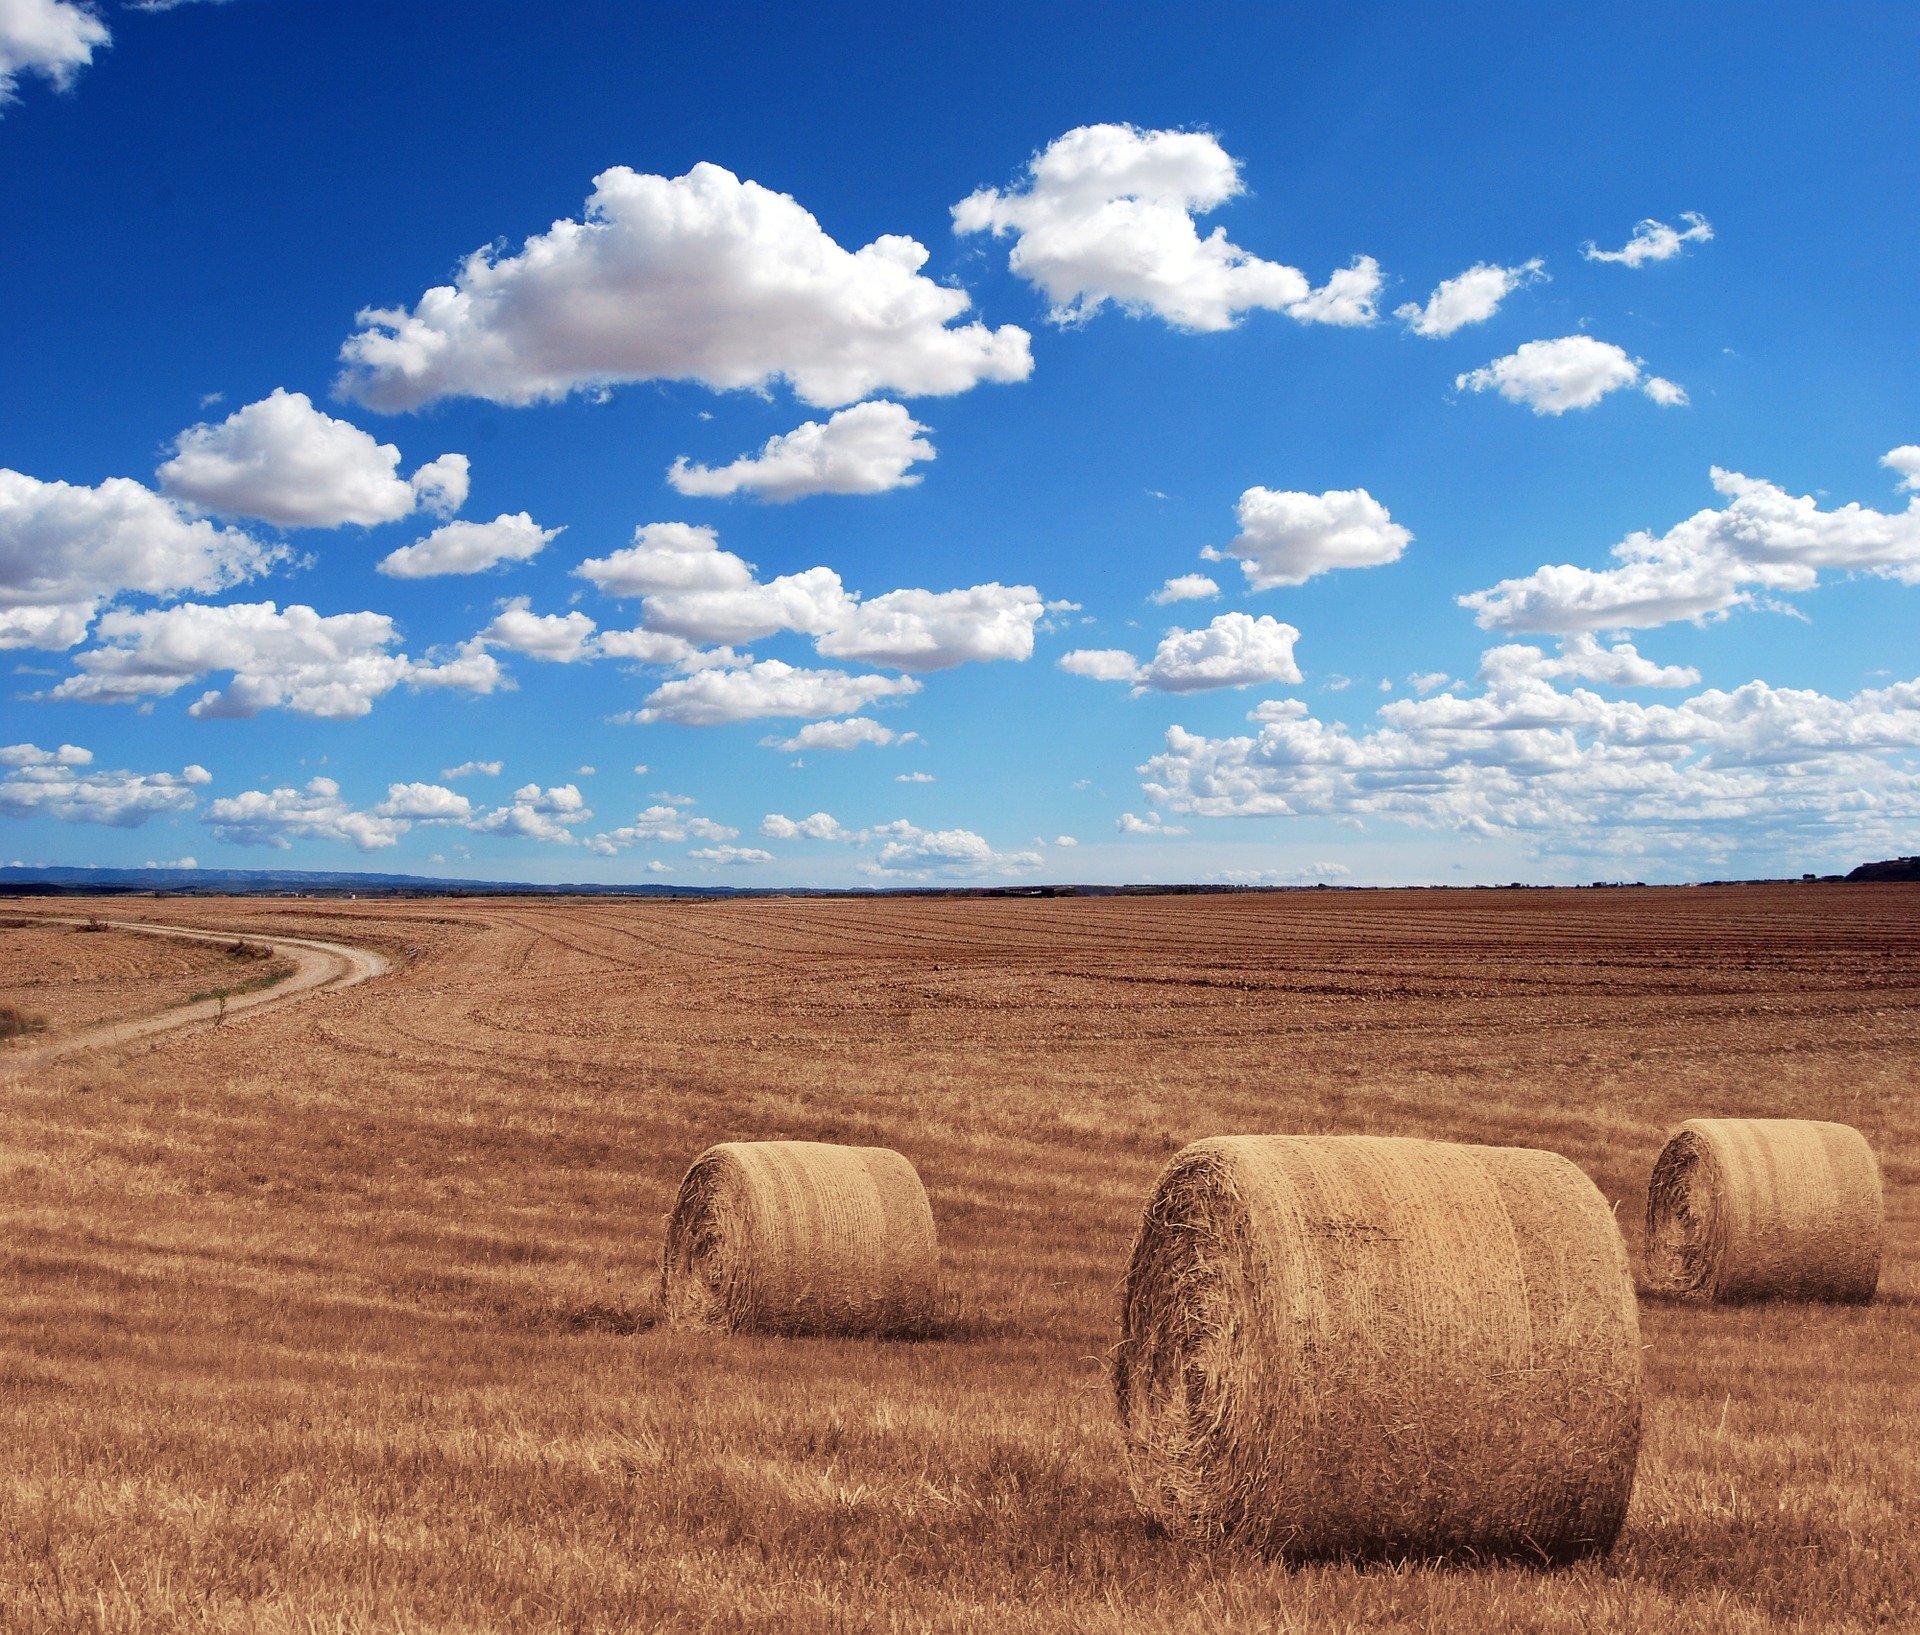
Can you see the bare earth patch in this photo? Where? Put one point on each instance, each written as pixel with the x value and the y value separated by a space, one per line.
pixel 342 1315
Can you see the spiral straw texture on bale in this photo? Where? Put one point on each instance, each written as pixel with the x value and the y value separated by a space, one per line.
pixel 1765 1209
pixel 801 1237
pixel 1339 1346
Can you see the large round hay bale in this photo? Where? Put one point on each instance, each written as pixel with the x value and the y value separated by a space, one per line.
pixel 1340 1346
pixel 1765 1209
pixel 801 1237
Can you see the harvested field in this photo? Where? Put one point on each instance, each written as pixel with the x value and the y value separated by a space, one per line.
pixel 342 1316
pixel 75 980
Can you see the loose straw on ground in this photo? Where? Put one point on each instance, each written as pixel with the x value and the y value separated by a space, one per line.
pixel 1340 1346
pixel 1765 1209
pixel 801 1237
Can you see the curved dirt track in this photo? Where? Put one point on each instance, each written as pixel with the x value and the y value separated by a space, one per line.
pixel 318 967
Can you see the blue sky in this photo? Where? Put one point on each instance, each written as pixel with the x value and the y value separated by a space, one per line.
pixel 1033 444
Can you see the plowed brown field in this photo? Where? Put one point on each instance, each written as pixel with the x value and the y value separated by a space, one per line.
pixel 339 1317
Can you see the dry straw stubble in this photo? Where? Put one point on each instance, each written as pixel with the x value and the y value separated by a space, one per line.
pixel 1765 1209
pixel 1340 1346
pixel 801 1237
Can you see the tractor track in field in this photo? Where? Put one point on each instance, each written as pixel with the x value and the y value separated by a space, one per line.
pixel 318 967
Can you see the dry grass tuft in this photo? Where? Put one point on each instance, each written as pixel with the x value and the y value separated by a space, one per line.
pixel 801 1237
pixel 1340 1346
pixel 18 1024
pixel 1765 1209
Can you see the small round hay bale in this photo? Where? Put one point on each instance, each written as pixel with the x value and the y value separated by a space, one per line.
pixel 1344 1346
pixel 801 1237
pixel 1765 1209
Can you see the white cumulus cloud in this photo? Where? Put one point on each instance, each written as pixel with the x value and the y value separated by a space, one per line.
pixel 277 817
pixel 469 547
pixel 1653 241
pixel 1186 587
pixel 1764 540
pixel 661 822
pixel 700 277
pixel 66 549
pixel 820 826
pixel 865 449
pixel 692 589
pixel 765 687
pixel 468 769
pixel 1131 823
pixel 908 849
pixel 666 557
pixel 934 630
pixel 318 811
pixel 538 814
pixel 903 849
pixel 730 856
pixel 558 638
pixel 285 462
pixel 1791 770
pixel 295 659
pixel 15 755
pixel 1574 372
pixel 849 734
pixel 52 38
pixel 647 647
pixel 1287 538
pixel 1101 664
pixel 1235 650
pixel 1582 657
pixel 1906 461
pixel 63 783
pixel 424 803
pixel 1106 215
pixel 1471 298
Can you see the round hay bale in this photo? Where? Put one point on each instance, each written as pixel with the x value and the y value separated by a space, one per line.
pixel 1342 1346
pixel 1765 1209
pixel 801 1237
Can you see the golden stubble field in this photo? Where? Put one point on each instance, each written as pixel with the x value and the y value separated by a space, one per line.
pixel 340 1317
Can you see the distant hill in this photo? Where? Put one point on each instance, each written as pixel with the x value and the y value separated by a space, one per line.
pixel 244 882
pixel 20 881
pixel 57 881
pixel 1894 868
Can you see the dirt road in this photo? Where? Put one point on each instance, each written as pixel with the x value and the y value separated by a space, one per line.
pixel 318 967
